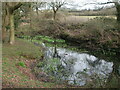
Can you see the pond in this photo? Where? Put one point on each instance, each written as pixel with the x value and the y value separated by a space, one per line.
pixel 76 68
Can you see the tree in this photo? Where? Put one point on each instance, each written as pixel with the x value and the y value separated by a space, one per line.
pixel 37 6
pixel 56 5
pixel 5 20
pixel 8 18
pixel 117 5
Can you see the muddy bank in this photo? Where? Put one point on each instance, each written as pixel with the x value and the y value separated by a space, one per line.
pixel 92 44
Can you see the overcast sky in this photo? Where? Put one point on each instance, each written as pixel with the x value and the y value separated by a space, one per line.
pixel 77 3
pixel 88 6
pixel 80 4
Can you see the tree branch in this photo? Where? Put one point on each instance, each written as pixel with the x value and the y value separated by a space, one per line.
pixel 13 6
pixel 17 6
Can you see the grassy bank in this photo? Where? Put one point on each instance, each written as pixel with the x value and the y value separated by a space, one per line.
pixel 17 70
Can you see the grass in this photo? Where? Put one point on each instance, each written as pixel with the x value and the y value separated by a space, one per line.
pixel 22 48
pixel 22 64
pixel 49 42
pixel 80 19
pixel 15 66
pixel 44 39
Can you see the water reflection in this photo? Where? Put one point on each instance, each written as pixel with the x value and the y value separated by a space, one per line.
pixel 76 68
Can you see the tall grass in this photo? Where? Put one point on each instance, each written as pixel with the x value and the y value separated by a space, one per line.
pixel 80 19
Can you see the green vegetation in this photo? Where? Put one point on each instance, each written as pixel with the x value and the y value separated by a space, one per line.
pixel 43 39
pixel 102 37
pixel 53 63
pixel 16 62
pixel 49 41
pixel 22 64
pixel 52 66
pixel 22 48
pixel 25 24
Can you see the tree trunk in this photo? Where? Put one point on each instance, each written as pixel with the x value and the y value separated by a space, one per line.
pixel 55 49
pixel 54 15
pixel 5 21
pixel 8 18
pixel 12 32
pixel 37 11
pixel 3 29
pixel 117 5
pixel 30 15
pixel 118 12
pixel 3 33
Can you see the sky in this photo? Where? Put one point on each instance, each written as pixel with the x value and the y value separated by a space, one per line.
pixel 80 4
pixel 77 3
pixel 88 6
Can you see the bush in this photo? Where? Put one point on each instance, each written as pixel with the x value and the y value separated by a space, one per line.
pixel 100 23
pixel 98 27
pixel 22 64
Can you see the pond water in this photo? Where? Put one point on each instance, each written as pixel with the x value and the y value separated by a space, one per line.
pixel 76 68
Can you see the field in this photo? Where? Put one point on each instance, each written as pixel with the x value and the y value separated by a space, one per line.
pixel 79 19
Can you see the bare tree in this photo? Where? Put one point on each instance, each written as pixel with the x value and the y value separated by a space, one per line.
pixel 37 6
pixel 56 5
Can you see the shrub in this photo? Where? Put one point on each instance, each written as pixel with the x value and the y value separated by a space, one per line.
pixel 22 64
pixel 98 26
pixel 100 23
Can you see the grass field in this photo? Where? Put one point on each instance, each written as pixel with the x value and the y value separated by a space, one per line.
pixel 80 19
